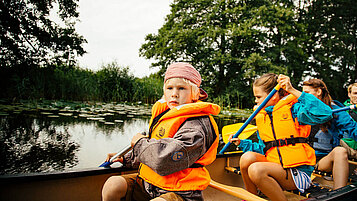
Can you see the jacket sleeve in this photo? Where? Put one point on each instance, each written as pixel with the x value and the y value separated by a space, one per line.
pixel 248 145
pixel 344 125
pixel 310 110
pixel 129 160
pixel 168 155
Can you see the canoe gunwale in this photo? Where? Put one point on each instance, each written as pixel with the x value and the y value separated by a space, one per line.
pixel 29 177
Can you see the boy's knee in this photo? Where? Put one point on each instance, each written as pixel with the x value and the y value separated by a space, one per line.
pixel 114 188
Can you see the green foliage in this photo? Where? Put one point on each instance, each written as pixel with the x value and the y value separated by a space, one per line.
pixel 332 46
pixel 115 83
pixel 230 42
pixel 29 38
pixel 148 89
pixel 222 38
pixel 111 83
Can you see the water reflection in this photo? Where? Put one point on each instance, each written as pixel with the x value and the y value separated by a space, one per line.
pixel 37 143
pixel 34 145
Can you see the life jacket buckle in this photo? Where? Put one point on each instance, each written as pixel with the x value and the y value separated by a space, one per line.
pixel 282 142
pixel 292 140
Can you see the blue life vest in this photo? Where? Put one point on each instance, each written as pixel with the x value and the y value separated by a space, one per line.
pixel 323 141
pixel 326 141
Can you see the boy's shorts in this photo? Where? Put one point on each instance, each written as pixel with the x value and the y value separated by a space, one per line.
pixel 140 190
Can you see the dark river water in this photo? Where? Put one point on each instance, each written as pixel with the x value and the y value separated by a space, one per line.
pixel 44 142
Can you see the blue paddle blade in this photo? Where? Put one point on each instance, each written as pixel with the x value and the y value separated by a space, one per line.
pixel 105 164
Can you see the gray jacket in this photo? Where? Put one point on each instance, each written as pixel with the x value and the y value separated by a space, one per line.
pixel 191 141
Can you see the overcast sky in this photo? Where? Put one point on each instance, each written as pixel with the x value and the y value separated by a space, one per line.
pixel 116 29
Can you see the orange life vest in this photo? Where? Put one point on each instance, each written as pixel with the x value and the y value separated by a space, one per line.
pixel 284 129
pixel 196 178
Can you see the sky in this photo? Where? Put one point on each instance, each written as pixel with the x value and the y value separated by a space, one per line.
pixel 116 29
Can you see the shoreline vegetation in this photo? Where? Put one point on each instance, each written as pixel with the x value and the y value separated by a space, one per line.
pixel 94 110
pixel 111 84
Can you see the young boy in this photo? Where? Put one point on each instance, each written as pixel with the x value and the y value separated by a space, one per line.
pixel 183 138
pixel 352 94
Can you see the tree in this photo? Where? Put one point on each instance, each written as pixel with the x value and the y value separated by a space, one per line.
pixel 219 37
pixel 28 36
pixel 332 47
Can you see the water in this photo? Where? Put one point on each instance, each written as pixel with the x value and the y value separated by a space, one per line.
pixel 44 142
pixel 33 142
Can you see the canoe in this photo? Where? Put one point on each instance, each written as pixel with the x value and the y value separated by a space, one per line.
pixel 86 184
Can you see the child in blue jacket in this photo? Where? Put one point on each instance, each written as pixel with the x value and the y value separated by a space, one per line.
pixel 326 138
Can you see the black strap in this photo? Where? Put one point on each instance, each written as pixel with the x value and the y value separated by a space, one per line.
pixel 353 115
pixel 283 142
pixel 196 165
pixel 155 120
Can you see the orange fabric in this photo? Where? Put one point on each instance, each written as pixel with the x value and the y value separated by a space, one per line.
pixel 284 126
pixel 190 178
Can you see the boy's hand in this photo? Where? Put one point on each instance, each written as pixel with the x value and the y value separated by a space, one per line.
pixel 136 137
pixel 110 155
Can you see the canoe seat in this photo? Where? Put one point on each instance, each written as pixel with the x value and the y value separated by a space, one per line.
pixel 322 173
pixel 351 178
pixel 235 170
pixel 314 191
pixel 352 161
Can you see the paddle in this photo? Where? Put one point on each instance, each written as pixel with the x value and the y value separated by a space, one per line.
pixel 231 129
pixel 119 154
pixel 351 107
pixel 250 129
pixel 270 95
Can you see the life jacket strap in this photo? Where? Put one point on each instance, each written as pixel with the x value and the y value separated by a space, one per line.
pixel 196 165
pixel 283 142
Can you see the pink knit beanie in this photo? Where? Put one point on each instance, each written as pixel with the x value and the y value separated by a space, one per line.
pixel 187 71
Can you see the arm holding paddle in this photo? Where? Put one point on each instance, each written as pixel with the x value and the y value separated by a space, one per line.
pixel 119 157
pixel 252 116
pixel 283 81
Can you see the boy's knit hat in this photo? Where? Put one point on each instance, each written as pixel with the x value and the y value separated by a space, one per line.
pixel 187 71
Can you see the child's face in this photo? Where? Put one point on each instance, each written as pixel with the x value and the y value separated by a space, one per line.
pixel 353 95
pixel 177 92
pixel 260 96
pixel 311 90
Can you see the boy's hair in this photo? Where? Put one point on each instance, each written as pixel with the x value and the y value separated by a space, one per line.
pixel 325 96
pixel 268 82
pixel 349 89
pixel 195 91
